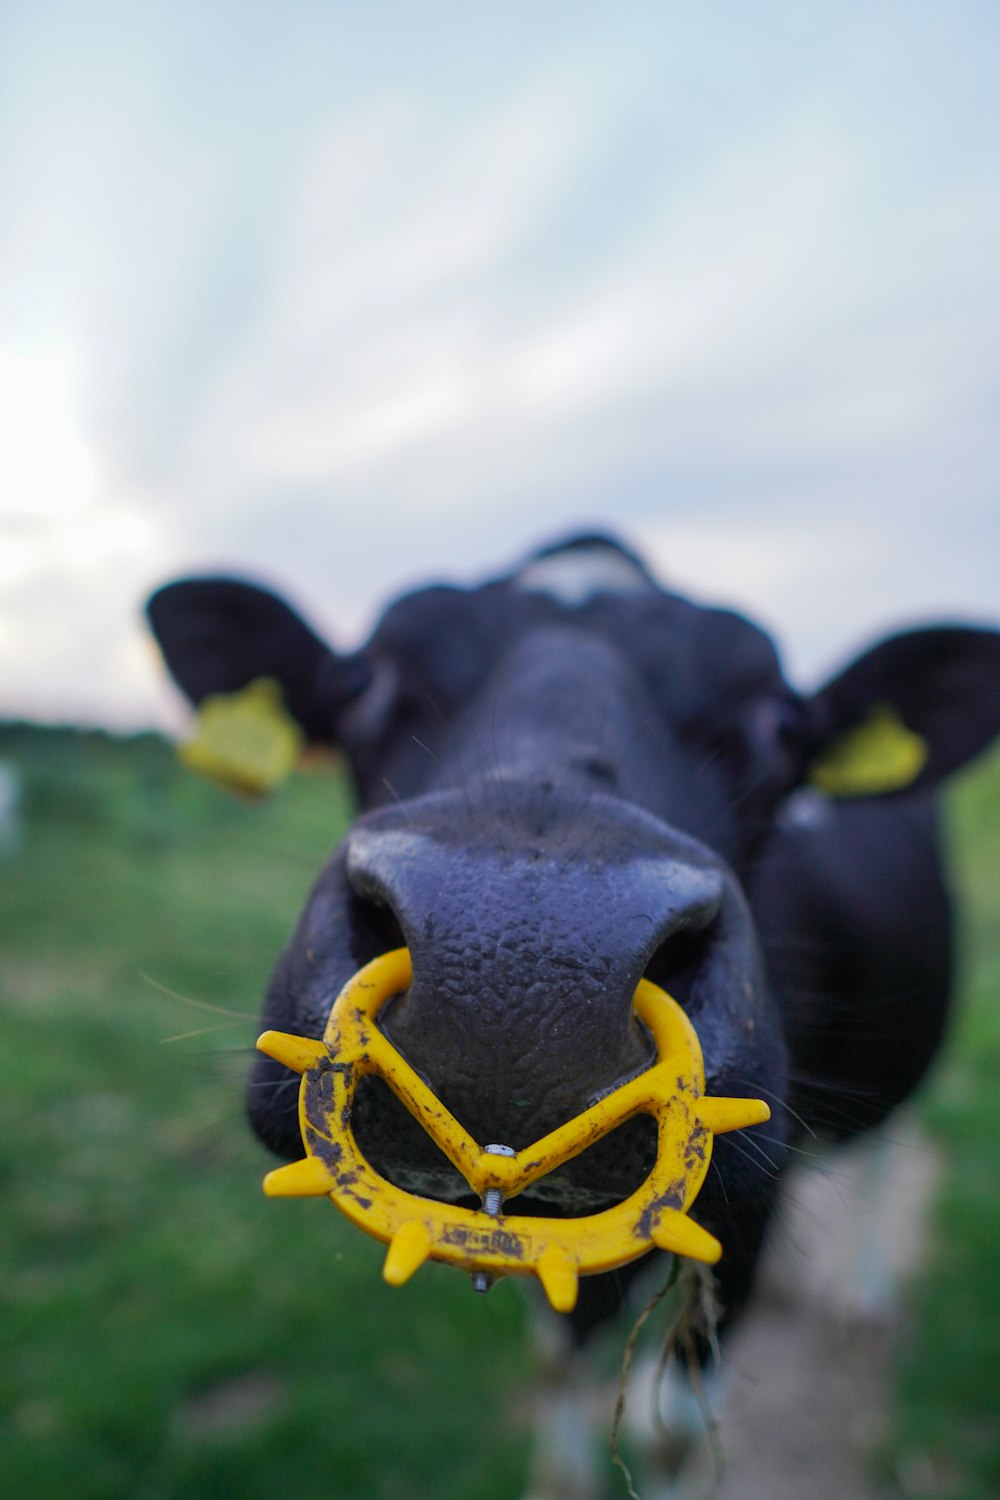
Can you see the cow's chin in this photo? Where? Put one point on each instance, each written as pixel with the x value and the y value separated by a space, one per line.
pixel 604 1174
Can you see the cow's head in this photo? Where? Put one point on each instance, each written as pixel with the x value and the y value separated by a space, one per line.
pixel 566 775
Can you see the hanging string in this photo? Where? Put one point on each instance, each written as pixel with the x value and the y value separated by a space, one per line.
pixel 697 1316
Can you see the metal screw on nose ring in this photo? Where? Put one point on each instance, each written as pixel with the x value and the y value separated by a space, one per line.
pixel 492 1201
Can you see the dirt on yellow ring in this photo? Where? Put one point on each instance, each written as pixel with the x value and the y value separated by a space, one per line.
pixel 489 1244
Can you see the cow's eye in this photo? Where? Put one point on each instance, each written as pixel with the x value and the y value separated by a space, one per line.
pixel 366 716
pixel 776 742
pixel 778 723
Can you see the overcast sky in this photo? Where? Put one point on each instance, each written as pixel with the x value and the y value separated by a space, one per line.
pixel 354 296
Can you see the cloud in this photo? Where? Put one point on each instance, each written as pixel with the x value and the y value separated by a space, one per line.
pixel 355 310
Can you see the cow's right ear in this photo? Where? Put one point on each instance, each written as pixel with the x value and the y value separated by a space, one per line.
pixel 218 635
pixel 907 713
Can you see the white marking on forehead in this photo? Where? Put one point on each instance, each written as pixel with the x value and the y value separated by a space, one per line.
pixel 575 575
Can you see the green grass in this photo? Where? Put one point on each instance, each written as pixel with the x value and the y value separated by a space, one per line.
pixel 947 1440
pixel 169 1332
pixel 166 1330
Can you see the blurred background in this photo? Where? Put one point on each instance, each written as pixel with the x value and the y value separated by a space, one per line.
pixel 352 297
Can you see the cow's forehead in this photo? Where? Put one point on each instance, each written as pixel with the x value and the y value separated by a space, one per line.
pixel 693 655
pixel 580 570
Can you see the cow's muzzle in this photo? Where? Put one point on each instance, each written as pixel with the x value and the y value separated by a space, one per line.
pixel 530 927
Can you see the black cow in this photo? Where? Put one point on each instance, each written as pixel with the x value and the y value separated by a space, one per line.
pixel 572 778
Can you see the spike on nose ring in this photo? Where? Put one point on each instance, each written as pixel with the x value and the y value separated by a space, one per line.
pixel 486 1242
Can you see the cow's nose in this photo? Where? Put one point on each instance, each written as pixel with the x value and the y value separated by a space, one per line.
pixel 525 964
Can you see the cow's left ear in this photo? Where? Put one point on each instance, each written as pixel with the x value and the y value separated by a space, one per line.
pixel 907 713
pixel 218 635
pixel 262 680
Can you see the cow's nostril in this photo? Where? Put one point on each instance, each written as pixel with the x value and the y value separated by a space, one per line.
pixel 678 961
pixel 374 928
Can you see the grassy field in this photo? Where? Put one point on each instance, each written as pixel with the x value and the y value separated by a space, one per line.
pixel 169 1332
pixel 947 1444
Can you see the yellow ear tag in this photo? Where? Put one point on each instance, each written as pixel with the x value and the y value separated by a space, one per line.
pixel 246 740
pixel 486 1242
pixel 880 755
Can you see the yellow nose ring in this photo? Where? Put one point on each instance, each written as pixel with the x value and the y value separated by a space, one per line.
pixel 487 1242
